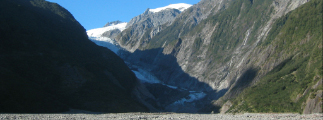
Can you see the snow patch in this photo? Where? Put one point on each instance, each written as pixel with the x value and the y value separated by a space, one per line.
pixel 180 6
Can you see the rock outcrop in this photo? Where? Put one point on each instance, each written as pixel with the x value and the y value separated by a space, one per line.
pixel 142 28
pixel 112 23
pixel 314 102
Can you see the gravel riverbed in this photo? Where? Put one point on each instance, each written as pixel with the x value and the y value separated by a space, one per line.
pixel 163 116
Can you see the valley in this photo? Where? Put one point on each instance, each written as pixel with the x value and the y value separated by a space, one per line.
pixel 167 98
pixel 242 58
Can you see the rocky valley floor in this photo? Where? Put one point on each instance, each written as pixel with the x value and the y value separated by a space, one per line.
pixel 162 116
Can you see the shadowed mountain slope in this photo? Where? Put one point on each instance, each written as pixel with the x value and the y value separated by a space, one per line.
pixel 47 64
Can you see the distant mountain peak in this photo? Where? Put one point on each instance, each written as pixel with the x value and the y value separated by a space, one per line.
pixel 180 6
pixel 112 23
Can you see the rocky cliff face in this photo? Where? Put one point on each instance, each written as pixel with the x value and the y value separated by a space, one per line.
pixel 145 26
pixel 47 64
pixel 229 45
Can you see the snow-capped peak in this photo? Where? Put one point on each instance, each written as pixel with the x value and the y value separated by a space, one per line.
pixel 99 31
pixel 180 6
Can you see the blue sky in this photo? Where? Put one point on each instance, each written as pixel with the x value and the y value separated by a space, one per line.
pixel 96 13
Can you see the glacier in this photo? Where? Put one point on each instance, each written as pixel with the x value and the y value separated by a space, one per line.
pixel 96 36
pixel 99 31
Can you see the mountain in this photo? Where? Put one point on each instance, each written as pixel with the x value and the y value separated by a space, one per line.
pixel 112 23
pixel 142 28
pixel 248 56
pixel 151 20
pixel 48 64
